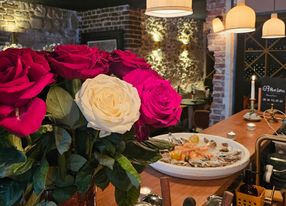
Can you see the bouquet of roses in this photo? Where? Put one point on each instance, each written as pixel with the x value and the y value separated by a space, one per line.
pixel 76 118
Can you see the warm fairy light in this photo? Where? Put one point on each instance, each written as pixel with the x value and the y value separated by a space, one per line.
pixel 185 32
pixel 155 29
pixel 157 55
pixel 156 36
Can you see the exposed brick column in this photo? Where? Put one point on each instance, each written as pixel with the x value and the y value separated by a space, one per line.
pixel 217 44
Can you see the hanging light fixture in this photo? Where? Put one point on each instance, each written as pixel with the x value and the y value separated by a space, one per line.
pixel 217 24
pixel 274 27
pixel 240 19
pixel 169 8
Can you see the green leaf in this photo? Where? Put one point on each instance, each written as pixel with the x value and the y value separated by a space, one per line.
pixel 119 178
pixel 62 165
pixel 13 162
pixel 101 178
pixel 40 177
pixel 9 156
pixel 64 193
pixel 16 169
pixel 10 192
pixel 76 162
pixel 62 107
pixel 130 170
pixel 158 144
pixel 104 160
pixel 46 203
pixel 63 140
pixel 84 178
pixel 66 181
pixel 20 169
pixel 129 197
pixel 138 152
pixel 83 181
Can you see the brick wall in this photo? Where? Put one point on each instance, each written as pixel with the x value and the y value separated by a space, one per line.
pixel 217 43
pixel 114 18
pixel 222 46
pixel 39 25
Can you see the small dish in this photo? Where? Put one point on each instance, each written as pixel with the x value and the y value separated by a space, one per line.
pixel 251 126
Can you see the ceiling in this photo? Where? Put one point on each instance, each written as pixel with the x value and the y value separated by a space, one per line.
pixel 81 5
pixel 199 6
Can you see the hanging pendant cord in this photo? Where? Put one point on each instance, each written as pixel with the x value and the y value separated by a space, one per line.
pixel 274 6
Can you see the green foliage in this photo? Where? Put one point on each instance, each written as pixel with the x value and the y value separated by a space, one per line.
pixel 9 156
pixel 101 178
pixel 10 192
pixel 129 170
pixel 63 140
pixel 61 106
pixel 40 177
pixel 104 160
pixel 76 162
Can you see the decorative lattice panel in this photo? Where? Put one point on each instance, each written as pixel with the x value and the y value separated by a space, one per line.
pixel 264 58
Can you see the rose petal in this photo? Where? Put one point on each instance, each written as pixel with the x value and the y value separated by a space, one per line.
pixel 5 110
pixel 29 120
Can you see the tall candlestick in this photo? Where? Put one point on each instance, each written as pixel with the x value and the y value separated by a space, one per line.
pixel 252 87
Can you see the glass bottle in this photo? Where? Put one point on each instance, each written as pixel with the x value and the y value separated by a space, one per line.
pixel 247 187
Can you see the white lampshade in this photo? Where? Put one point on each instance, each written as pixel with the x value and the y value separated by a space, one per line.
pixel 240 19
pixel 169 8
pixel 273 28
pixel 217 25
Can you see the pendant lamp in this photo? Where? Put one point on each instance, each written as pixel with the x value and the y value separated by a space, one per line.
pixel 240 19
pixel 169 8
pixel 274 27
pixel 217 25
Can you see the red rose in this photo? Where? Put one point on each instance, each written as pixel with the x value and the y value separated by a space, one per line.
pixel 23 75
pixel 79 61
pixel 160 103
pixel 125 62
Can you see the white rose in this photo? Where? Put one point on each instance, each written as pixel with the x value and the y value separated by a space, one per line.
pixel 109 104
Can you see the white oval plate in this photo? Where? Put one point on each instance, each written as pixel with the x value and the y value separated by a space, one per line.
pixel 207 173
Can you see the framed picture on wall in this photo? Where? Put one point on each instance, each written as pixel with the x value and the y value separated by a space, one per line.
pixel 105 40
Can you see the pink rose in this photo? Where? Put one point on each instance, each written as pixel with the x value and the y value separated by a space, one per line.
pixel 23 75
pixel 160 103
pixel 126 61
pixel 79 61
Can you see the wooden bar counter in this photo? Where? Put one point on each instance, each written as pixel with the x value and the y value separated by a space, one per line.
pixel 199 189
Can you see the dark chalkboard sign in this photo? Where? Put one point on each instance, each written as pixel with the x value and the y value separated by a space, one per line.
pixel 273 92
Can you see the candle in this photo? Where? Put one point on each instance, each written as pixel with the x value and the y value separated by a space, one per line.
pixel 252 87
pixel 231 135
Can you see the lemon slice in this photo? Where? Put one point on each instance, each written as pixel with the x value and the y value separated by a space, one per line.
pixel 195 139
